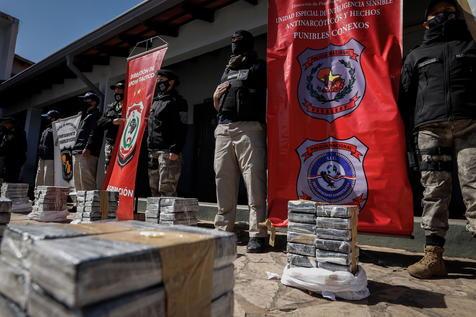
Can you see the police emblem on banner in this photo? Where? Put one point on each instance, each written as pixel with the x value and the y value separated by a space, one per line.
pixel 67 164
pixel 332 171
pixel 130 133
pixel 332 82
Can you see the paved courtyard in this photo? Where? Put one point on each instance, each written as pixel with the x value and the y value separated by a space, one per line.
pixel 393 291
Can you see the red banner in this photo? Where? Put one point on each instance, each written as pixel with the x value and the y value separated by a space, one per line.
pixel 141 80
pixel 334 131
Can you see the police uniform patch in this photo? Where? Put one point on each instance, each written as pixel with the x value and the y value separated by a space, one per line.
pixel 332 171
pixel 332 82
pixel 130 134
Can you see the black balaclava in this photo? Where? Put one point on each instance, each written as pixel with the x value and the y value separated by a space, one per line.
pixel 118 97
pixel 241 42
pixel 163 86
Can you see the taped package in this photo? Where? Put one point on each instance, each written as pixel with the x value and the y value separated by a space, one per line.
pixel 89 269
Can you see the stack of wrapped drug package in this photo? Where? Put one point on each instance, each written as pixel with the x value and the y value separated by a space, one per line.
pixel 5 214
pixel 322 250
pixel 50 204
pixel 301 233
pixel 18 194
pixel 172 211
pixel 127 269
pixel 95 205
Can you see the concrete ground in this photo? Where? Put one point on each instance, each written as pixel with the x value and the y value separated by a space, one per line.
pixel 393 291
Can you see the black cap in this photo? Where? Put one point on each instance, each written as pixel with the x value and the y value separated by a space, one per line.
pixel 171 75
pixel 120 84
pixel 433 3
pixel 90 95
pixel 52 114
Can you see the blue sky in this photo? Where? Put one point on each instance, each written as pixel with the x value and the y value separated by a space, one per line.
pixel 49 25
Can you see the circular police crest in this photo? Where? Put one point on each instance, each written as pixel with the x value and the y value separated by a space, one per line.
pixel 331 177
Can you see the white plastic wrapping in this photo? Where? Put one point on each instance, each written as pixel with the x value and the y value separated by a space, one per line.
pixel 343 285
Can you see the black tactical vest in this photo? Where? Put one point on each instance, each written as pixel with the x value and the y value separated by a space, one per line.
pixel 241 101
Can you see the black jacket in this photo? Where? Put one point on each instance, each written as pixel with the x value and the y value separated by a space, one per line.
pixel 439 77
pixel 46 146
pixel 166 131
pixel 113 111
pixel 87 138
pixel 13 146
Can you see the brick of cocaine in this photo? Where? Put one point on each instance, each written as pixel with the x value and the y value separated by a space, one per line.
pixel 150 302
pixel 333 257
pixel 333 234
pixel 5 205
pixel 223 306
pixel 334 267
pixel 334 245
pixel 9 308
pixel 303 238
pixel 172 201
pixel 96 194
pixel 223 281
pixel 301 249
pixel 334 223
pixel 5 217
pixel 301 227
pixel 85 270
pixel 301 261
pixel 225 242
pixel 330 211
pixel 177 216
pixel 302 206
pixel 14 283
pixel 301 218
pixel 19 239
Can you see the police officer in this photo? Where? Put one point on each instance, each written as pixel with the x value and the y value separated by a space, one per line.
pixel 45 173
pixel 166 135
pixel 438 101
pixel 13 146
pixel 110 121
pixel 87 146
pixel 240 146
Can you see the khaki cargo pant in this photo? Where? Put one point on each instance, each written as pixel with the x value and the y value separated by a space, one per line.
pixel 163 180
pixel 240 148
pixel 460 136
pixel 84 172
pixel 45 174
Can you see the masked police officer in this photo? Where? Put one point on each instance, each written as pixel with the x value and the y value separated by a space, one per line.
pixel 87 146
pixel 166 135
pixel 45 174
pixel 110 121
pixel 240 146
pixel 13 146
pixel 438 102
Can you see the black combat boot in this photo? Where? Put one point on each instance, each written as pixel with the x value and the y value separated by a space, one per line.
pixel 256 245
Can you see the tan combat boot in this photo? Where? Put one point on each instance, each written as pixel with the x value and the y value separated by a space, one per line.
pixel 431 265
